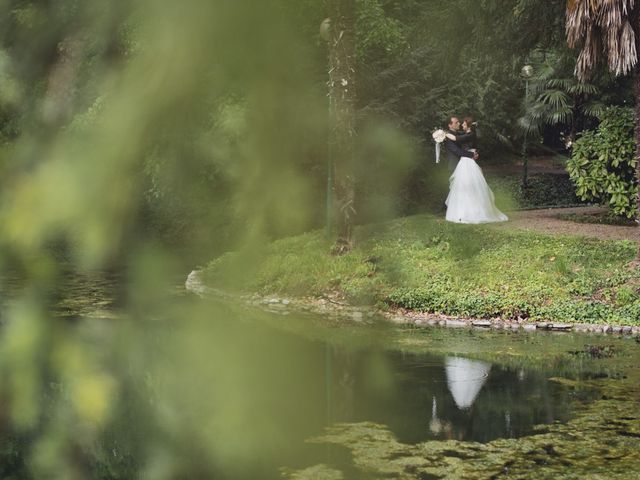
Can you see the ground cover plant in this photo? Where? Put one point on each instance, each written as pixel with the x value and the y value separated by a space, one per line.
pixel 426 264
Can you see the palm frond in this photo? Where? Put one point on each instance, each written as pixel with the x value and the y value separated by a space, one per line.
pixel 537 112
pixel 590 54
pixel 625 56
pixel 561 115
pixel 555 98
pixel 563 83
pixel 536 88
pixel 578 20
pixel 544 71
pixel 602 27
pixel 582 88
pixel 593 109
pixel 609 14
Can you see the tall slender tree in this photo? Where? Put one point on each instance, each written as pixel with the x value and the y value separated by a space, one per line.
pixel 342 95
pixel 608 30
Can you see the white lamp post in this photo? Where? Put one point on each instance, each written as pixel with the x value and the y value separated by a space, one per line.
pixel 526 73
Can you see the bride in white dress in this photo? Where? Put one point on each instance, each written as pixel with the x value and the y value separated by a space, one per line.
pixel 470 198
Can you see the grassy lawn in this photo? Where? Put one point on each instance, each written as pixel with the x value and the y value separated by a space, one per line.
pixel 427 264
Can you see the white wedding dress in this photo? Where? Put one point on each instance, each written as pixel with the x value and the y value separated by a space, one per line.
pixel 470 199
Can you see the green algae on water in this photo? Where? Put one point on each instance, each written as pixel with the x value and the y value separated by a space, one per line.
pixel 601 441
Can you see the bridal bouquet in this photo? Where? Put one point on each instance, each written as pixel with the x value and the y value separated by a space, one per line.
pixel 439 136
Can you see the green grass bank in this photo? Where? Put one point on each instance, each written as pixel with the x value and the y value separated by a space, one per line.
pixel 426 264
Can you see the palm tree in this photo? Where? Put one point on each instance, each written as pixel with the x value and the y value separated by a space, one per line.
pixel 608 30
pixel 557 97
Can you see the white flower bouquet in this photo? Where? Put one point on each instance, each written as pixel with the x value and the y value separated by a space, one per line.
pixel 439 135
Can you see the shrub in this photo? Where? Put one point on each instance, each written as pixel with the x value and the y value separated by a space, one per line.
pixel 543 189
pixel 603 163
pixel 548 189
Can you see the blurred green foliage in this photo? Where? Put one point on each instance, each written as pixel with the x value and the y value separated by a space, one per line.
pixel 137 138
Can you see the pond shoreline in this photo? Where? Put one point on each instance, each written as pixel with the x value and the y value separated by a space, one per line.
pixel 400 316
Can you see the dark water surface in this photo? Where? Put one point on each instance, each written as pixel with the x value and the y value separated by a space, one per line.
pixel 454 397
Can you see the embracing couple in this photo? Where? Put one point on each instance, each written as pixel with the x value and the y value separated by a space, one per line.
pixel 470 199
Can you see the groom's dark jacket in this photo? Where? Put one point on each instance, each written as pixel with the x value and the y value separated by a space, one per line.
pixel 455 151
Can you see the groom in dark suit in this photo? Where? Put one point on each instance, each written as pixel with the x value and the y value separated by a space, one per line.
pixel 454 150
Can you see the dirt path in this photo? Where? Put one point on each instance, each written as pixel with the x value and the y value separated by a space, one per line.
pixel 545 221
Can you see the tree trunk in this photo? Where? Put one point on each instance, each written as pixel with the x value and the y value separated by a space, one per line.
pixel 342 94
pixel 636 86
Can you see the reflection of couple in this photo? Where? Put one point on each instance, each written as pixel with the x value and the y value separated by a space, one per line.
pixel 470 199
pixel 465 379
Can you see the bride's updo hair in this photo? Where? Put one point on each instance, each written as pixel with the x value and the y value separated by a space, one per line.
pixel 469 122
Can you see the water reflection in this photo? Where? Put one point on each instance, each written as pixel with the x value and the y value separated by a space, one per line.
pixel 425 397
pixel 465 378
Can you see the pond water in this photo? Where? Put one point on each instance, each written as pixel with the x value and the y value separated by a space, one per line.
pixel 454 397
pixel 216 390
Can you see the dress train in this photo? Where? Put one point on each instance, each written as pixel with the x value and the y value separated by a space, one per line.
pixel 470 198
